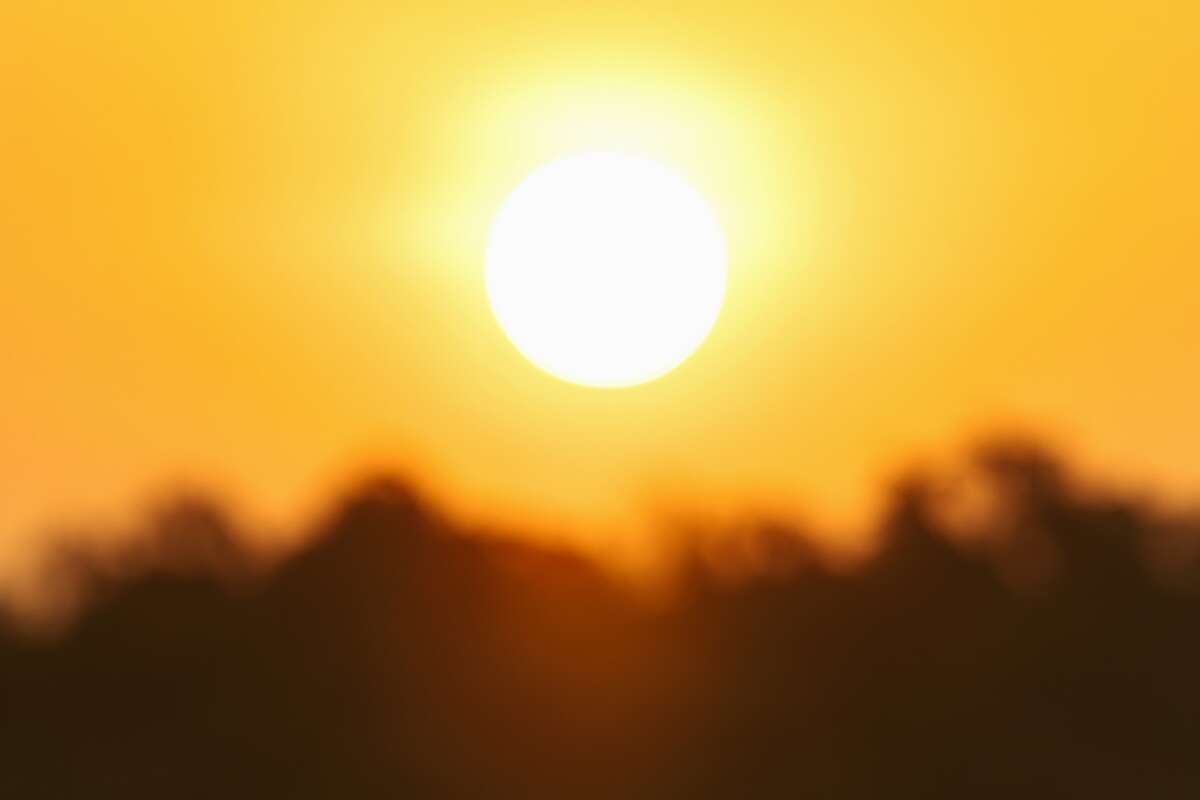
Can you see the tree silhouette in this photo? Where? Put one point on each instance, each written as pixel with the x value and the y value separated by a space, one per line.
pixel 1033 650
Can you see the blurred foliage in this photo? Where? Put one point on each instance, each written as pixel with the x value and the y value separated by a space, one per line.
pixel 1014 635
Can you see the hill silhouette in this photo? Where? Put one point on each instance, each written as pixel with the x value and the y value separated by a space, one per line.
pixel 1037 641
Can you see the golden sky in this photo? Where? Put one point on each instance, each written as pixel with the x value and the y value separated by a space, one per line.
pixel 241 247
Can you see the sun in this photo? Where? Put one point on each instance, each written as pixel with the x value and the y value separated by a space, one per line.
pixel 605 269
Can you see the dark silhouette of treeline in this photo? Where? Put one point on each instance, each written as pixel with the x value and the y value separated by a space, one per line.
pixel 1014 636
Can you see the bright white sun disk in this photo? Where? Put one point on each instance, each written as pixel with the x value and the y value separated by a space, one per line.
pixel 605 269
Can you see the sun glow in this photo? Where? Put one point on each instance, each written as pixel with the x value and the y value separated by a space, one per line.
pixel 606 269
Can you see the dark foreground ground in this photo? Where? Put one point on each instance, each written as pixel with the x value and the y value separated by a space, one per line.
pixel 1057 656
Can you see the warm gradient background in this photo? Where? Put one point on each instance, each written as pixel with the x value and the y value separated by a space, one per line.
pixel 243 248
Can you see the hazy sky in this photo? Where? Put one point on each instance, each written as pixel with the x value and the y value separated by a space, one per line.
pixel 243 248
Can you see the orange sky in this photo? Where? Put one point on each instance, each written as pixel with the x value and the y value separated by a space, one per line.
pixel 243 248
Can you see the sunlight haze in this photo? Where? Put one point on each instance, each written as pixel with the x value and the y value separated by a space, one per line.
pixel 244 250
